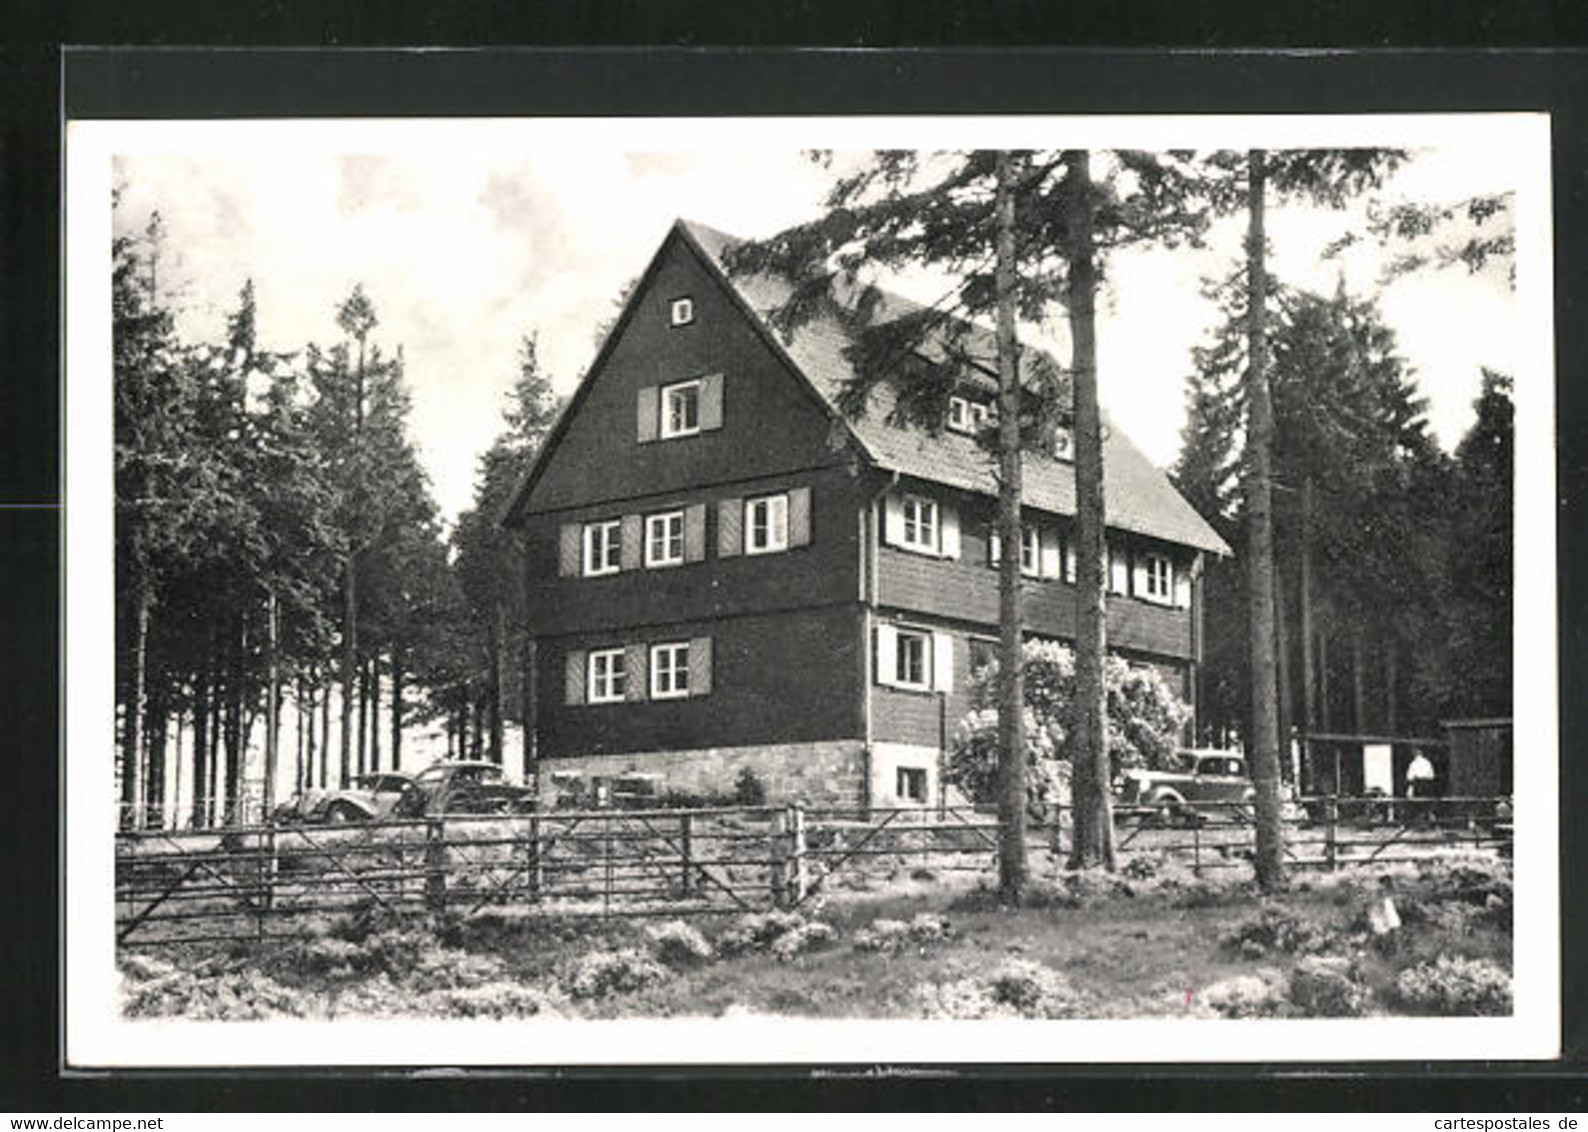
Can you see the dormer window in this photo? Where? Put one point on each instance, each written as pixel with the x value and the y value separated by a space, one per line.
pixel 682 311
pixel 965 415
pixel 1064 442
pixel 980 414
pixel 681 409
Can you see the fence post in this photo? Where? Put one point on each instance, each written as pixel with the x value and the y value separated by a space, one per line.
pixel 533 875
pixel 435 864
pixel 1331 816
pixel 797 879
pixel 272 866
pixel 686 850
pixel 779 854
pixel 1196 845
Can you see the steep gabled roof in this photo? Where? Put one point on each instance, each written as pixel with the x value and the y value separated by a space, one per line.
pixel 1139 496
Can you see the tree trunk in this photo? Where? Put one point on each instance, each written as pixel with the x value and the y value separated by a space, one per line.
pixel 498 680
pixel 1309 703
pixel 154 770
pixel 201 752
pixel 396 708
pixel 1012 870
pixel 1282 674
pixel 477 729
pixel 234 728
pixel 374 713
pixel 298 779
pixel 1391 679
pixel 1264 753
pixel 349 664
pixel 325 731
pixel 1324 714
pixel 363 717
pixel 132 731
pixel 272 709
pixel 1358 678
pixel 1090 782
pixel 527 688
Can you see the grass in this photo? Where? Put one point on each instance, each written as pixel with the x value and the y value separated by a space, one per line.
pixel 1154 943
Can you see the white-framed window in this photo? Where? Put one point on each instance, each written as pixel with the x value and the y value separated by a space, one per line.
pixel 1030 551
pixel 1157 578
pixel 959 414
pixel 766 524
pixel 603 547
pixel 682 311
pixel 608 681
pixel 670 671
pixel 1064 442
pixel 919 527
pixel 912 659
pixel 910 784
pixel 979 416
pixel 664 539
pixel 681 408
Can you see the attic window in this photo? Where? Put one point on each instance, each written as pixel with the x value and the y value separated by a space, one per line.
pixel 683 311
pixel 1064 442
pixel 965 415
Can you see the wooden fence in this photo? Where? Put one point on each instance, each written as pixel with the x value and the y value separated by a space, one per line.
pixel 266 881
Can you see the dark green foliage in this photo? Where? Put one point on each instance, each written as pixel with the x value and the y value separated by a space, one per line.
pixel 748 789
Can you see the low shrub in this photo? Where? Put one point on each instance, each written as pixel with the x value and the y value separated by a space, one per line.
pixel 1018 988
pixel 756 931
pixel 812 935
pixel 603 973
pixel 1457 986
pixel 748 789
pixel 1274 929
pixel 894 935
pixel 1326 987
pixel 499 999
pixel 1261 995
pixel 678 945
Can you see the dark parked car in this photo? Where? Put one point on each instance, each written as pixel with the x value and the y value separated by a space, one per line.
pixel 1197 777
pixel 463 787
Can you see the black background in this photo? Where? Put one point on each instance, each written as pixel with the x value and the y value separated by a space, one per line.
pixel 40 78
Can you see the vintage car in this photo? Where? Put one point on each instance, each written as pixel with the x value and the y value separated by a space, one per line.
pixel 463 787
pixel 370 798
pixel 1183 793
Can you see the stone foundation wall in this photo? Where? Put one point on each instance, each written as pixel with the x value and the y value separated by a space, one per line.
pixel 821 774
pixel 887 758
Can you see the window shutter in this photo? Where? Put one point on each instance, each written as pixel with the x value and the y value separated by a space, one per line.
pixel 1051 556
pixel 1138 576
pixel 648 412
pixel 893 520
pixel 637 686
pixel 799 516
pixel 1118 572
pixel 887 654
pixel 1069 561
pixel 695 533
pixel 570 550
pixel 633 542
pixel 700 666
pixel 1182 588
pixel 948 531
pixel 995 544
pixel 573 677
pixel 730 528
pixel 710 402
pixel 942 662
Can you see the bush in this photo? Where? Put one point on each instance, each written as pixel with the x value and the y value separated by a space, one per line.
pixel 1271 930
pixel 678 945
pixel 895 935
pixel 1019 988
pixel 603 973
pixel 1246 996
pixel 810 936
pixel 755 931
pixel 1453 985
pixel 748 789
pixel 1325 988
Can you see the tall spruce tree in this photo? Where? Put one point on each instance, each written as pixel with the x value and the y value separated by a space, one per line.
pixel 1002 226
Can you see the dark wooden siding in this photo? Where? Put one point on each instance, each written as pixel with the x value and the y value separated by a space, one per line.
pixel 966 590
pixel 772 422
pixel 822 573
pixel 779 678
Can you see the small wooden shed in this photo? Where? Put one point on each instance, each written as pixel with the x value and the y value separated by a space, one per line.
pixel 1479 758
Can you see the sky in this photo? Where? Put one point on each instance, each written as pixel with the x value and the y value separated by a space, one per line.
pixel 466 249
